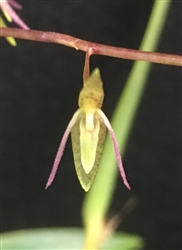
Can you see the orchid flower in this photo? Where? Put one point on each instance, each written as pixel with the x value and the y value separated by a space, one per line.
pixel 10 14
pixel 7 8
pixel 88 129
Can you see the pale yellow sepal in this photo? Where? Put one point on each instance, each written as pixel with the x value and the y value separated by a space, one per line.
pixel 8 17
pixel 92 93
pixel 89 141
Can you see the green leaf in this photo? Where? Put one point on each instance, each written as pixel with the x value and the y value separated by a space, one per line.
pixel 96 201
pixel 63 238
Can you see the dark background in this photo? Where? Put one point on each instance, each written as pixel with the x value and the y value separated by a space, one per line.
pixel 40 85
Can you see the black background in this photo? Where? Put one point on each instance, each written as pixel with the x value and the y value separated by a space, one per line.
pixel 40 85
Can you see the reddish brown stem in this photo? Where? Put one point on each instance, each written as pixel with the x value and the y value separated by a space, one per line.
pixel 86 70
pixel 79 44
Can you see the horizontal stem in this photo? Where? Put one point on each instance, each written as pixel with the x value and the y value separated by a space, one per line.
pixel 100 49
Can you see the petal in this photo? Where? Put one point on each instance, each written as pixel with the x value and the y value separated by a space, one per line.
pixel 116 148
pixel 61 148
pixel 88 144
pixel 86 180
pixel 15 4
pixel 6 8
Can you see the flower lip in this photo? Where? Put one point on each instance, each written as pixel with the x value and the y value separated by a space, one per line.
pixel 89 136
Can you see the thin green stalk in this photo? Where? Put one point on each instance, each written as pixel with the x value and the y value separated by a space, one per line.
pixel 98 199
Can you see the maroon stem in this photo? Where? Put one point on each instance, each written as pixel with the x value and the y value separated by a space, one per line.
pixel 86 70
pixel 100 49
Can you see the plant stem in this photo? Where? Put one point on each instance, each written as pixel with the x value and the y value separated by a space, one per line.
pixel 99 49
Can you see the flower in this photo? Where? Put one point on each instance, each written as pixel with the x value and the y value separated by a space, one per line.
pixel 88 128
pixel 7 8
pixel 10 14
